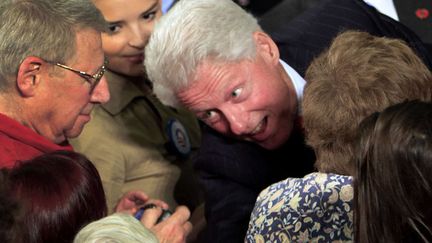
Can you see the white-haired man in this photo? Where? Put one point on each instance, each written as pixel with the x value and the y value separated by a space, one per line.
pixel 213 58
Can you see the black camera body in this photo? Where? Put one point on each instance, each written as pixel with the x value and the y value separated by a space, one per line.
pixel 165 214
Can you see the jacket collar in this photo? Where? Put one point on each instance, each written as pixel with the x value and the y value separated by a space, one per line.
pixel 122 92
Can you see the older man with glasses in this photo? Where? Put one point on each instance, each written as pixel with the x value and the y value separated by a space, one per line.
pixel 51 77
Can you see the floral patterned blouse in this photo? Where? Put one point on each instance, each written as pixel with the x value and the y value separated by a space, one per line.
pixel 315 208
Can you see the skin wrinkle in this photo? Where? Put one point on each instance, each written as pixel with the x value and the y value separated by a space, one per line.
pixel 65 113
pixel 267 100
pixel 208 93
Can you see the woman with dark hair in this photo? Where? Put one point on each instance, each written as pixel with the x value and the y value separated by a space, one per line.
pixel 59 193
pixel 393 181
pixel 9 212
pixel 50 198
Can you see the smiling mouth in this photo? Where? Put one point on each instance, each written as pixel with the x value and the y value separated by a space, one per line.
pixel 260 127
pixel 135 58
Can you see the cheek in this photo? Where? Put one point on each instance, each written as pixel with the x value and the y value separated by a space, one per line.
pixel 146 31
pixel 270 96
pixel 113 45
pixel 221 127
pixel 76 103
pixel 117 64
pixel 275 100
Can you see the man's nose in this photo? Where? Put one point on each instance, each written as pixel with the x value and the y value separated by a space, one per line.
pixel 100 93
pixel 237 119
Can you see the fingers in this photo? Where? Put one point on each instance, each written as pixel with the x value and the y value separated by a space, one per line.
pixel 181 215
pixel 130 201
pixel 187 226
pixel 138 197
pixel 150 215
pixel 174 229
pixel 133 200
pixel 158 203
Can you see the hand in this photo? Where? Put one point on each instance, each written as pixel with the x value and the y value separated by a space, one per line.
pixel 174 229
pixel 130 201
pixel 133 200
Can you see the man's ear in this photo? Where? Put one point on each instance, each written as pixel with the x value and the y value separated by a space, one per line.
pixel 29 75
pixel 266 47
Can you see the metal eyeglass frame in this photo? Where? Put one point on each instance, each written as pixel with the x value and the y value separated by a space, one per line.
pixel 93 80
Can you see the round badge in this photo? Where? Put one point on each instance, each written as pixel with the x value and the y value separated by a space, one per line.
pixel 179 139
pixel 422 13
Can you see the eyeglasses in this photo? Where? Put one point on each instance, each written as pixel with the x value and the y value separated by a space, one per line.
pixel 93 80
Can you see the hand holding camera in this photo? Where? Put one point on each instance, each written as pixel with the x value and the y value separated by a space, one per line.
pixel 167 226
pixel 165 212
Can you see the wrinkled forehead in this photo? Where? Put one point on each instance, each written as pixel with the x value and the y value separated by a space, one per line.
pixel 210 80
pixel 211 74
pixel 212 68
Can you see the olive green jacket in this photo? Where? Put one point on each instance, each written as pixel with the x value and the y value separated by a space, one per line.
pixel 126 140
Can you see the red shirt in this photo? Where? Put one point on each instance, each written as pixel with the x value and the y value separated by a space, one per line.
pixel 18 142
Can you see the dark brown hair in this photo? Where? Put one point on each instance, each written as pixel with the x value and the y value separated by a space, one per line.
pixel 393 179
pixel 59 193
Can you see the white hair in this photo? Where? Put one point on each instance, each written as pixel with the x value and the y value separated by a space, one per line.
pixel 191 32
pixel 117 228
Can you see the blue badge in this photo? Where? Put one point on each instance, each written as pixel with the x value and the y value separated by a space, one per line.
pixel 178 138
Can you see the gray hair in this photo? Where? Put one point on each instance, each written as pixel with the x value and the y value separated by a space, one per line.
pixel 191 32
pixel 117 228
pixel 42 28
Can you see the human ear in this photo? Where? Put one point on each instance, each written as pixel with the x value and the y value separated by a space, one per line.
pixel 29 75
pixel 266 47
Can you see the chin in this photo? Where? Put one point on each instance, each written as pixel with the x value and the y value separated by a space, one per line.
pixel 59 139
pixel 73 134
pixel 75 131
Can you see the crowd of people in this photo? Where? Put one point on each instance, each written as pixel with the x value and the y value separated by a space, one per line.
pixel 217 121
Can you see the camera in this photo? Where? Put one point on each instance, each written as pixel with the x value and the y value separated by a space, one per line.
pixel 165 213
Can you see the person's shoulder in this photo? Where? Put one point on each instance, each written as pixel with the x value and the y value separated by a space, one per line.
pixel 285 190
pixel 100 134
pixel 314 186
pixel 324 180
pixel 328 186
pixel 102 125
pixel 315 207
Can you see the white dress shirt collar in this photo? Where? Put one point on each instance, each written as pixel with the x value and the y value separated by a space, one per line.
pixel 298 82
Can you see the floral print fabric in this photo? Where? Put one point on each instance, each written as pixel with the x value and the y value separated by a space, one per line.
pixel 316 208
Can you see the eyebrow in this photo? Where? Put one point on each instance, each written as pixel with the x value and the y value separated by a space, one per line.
pixel 149 10
pixel 114 22
pixel 152 8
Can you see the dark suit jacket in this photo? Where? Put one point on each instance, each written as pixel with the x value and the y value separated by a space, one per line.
pixel 284 12
pixel 308 35
pixel 414 15
pixel 233 172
